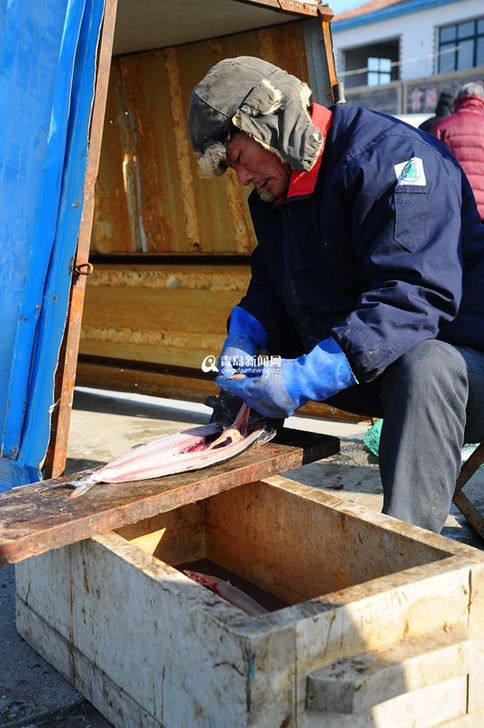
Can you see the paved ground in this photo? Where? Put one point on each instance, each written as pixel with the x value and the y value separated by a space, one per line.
pixel 32 694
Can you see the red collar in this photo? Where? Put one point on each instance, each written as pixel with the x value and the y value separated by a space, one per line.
pixel 303 183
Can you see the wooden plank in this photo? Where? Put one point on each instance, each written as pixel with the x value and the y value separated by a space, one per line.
pixel 354 685
pixel 66 374
pixel 476 628
pixel 261 517
pixel 78 606
pixel 466 507
pixel 42 516
pixel 307 7
pixel 471 513
pixel 114 703
pixel 433 602
pixel 429 707
pixel 175 537
pixel 81 606
pixel 470 466
pixel 167 314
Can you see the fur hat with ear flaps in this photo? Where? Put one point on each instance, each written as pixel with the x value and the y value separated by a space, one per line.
pixel 260 99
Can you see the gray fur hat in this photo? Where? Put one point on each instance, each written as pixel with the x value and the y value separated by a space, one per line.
pixel 260 99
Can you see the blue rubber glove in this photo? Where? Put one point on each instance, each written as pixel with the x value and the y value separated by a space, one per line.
pixel 280 391
pixel 245 339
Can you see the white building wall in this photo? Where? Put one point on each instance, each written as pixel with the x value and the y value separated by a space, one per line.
pixel 417 32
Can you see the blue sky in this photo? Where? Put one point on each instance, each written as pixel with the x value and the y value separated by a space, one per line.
pixel 337 6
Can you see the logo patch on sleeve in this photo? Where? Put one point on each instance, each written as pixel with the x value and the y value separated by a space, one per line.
pixel 410 172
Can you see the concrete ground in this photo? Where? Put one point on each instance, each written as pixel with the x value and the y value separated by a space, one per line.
pixel 105 424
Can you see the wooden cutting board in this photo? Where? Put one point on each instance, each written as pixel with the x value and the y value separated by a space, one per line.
pixel 39 517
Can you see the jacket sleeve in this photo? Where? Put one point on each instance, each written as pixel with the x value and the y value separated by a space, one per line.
pixel 406 238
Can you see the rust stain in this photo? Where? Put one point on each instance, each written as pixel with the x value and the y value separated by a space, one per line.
pixel 266 45
pixel 149 196
pixel 131 128
pixel 243 235
pixel 188 340
pixel 210 279
pixel 182 144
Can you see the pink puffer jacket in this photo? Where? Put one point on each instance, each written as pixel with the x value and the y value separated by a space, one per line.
pixel 463 133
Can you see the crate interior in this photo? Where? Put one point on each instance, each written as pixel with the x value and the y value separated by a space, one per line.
pixel 276 541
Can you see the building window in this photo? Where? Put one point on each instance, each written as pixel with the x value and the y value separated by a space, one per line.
pixel 461 46
pixel 379 71
pixel 372 64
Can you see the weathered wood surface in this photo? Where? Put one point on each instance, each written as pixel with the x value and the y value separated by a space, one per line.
pixel 66 369
pixel 39 517
pixel 108 615
pixel 466 507
pixel 81 606
pixel 42 516
pixel 148 327
pixel 354 685
pixel 263 519
pixel 430 707
pixel 166 314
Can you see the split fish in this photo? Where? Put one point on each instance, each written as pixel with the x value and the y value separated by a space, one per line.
pixel 227 591
pixel 192 449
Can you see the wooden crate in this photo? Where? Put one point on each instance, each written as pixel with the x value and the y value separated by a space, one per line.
pixel 383 623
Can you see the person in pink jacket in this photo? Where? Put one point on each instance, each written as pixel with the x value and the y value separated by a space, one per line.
pixel 463 133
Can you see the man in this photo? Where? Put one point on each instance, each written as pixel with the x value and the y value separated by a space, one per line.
pixel 367 276
pixel 463 133
pixel 442 110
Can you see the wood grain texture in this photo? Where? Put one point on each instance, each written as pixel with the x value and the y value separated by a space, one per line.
pixel 39 517
pixel 356 684
pixel 148 632
pixel 262 520
pixel 150 647
pixel 66 369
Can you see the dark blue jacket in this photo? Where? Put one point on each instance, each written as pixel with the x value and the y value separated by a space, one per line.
pixel 377 264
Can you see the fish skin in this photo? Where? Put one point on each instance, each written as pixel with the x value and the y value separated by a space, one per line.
pixel 227 591
pixel 149 465
pixel 132 464
pixel 182 452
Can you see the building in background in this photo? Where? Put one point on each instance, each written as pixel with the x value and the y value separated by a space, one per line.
pixel 398 55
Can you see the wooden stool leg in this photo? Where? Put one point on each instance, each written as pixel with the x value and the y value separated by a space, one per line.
pixel 462 502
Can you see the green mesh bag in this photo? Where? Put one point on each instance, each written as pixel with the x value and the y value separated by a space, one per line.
pixel 371 438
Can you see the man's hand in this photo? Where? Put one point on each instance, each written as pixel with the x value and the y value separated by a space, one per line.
pixel 245 339
pixel 280 391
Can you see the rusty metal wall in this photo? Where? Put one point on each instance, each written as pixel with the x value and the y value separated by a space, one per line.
pixel 162 314
pixel 149 198
pixel 147 327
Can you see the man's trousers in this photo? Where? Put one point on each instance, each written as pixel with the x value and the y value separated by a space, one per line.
pixel 432 402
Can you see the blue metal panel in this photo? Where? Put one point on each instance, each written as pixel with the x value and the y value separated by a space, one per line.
pixel 47 63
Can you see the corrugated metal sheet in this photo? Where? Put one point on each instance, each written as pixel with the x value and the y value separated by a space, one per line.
pixel 163 314
pixel 149 196
pixel 147 327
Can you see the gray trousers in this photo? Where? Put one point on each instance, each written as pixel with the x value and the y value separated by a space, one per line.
pixel 432 402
